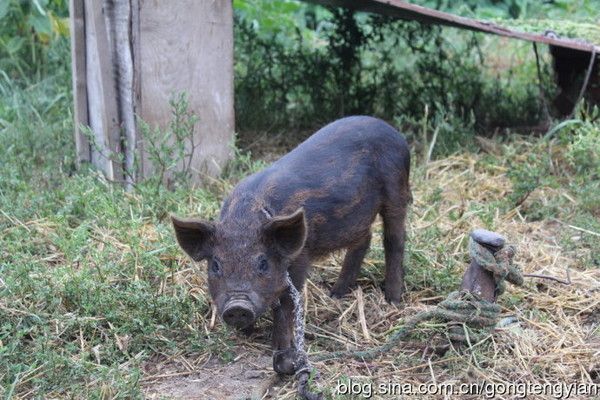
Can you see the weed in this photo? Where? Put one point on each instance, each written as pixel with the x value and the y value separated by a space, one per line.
pixel 171 151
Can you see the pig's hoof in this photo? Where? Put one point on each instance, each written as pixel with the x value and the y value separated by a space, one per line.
pixel 284 361
pixel 338 293
pixel 395 299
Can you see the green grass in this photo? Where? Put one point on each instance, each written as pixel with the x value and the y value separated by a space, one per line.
pixel 79 275
pixel 87 289
pixel 91 278
pixel 86 269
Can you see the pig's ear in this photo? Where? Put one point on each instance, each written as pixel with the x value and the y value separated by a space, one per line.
pixel 287 233
pixel 195 237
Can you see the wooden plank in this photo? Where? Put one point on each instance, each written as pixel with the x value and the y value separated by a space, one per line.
pixel 187 46
pixel 121 22
pixel 80 110
pixel 102 102
pixel 403 10
pixel 137 86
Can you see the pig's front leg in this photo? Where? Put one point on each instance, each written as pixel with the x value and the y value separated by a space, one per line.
pixel 284 355
pixel 284 352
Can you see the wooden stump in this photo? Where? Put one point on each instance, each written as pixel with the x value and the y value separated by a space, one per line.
pixel 477 279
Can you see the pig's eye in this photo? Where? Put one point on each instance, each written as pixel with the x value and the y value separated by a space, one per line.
pixel 215 267
pixel 263 266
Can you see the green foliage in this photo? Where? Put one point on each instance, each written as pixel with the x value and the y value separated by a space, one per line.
pixel 171 151
pixel 570 159
pixel 33 35
pixel 526 177
pixel 336 62
pixel 90 276
pixel 297 77
pixel 87 270
pixel 589 32
pixel 581 135
pixel 584 146
pixel 75 307
pixel 35 125
pixel 88 286
pixel 513 9
pixel 270 17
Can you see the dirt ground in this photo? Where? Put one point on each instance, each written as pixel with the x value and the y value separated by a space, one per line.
pixel 248 376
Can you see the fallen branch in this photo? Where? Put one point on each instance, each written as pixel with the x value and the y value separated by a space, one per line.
pixel 552 278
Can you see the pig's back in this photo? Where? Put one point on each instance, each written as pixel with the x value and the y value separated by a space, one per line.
pixel 344 137
pixel 339 175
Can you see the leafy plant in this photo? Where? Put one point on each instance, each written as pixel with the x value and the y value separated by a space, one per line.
pixel 584 145
pixel 30 33
pixel 336 62
pixel 526 177
pixel 171 151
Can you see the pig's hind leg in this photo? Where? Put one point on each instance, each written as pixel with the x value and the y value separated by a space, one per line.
pixel 394 235
pixel 351 267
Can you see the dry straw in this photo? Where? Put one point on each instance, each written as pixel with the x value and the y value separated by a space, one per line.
pixel 548 331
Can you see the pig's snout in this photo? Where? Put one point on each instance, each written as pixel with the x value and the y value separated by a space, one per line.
pixel 238 313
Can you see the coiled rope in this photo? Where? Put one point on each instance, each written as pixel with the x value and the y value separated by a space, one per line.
pixel 469 318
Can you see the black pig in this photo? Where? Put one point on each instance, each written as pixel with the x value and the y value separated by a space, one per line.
pixel 320 197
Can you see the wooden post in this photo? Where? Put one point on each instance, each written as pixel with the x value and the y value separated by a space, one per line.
pixel 477 279
pixel 78 51
pixel 130 57
pixel 187 46
pixel 101 95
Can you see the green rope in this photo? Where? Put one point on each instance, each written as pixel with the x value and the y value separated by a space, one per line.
pixel 500 264
pixel 468 317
